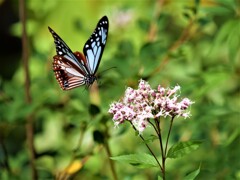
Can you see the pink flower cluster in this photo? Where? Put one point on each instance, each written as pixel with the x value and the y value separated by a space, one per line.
pixel 145 103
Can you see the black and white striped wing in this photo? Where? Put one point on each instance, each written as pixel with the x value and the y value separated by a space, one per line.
pixel 93 48
pixel 70 68
pixel 67 76
pixel 63 50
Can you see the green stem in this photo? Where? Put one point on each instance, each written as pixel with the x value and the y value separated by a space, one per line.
pixel 106 146
pixel 147 146
pixel 81 136
pixel 157 121
pixel 169 131
pixel 153 126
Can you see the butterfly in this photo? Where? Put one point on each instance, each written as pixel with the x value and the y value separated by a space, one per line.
pixel 76 69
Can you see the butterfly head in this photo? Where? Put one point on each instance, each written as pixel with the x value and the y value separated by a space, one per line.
pixel 89 80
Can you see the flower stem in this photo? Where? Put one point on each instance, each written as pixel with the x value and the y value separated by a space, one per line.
pixel 157 121
pixel 169 131
pixel 153 125
pixel 147 146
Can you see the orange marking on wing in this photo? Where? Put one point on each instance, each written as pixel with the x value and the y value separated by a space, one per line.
pixel 81 57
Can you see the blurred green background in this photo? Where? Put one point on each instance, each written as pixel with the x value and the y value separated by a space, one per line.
pixel 192 43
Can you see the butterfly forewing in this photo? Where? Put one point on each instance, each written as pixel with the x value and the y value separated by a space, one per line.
pixel 63 50
pixel 93 48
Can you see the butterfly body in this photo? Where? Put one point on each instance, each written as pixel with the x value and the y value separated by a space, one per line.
pixel 76 69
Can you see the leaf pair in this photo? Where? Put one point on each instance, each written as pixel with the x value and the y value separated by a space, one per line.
pixel 178 150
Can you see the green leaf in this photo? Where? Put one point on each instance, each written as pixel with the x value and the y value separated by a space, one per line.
pixel 233 40
pixel 192 175
pixel 229 34
pixel 149 139
pixel 182 148
pixel 138 160
pixel 232 137
pixel 144 24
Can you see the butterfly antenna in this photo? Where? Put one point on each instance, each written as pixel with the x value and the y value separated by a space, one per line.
pixel 106 70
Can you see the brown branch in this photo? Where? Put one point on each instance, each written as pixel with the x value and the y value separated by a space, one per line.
pixel 30 143
pixel 29 119
pixel 152 33
pixel 183 38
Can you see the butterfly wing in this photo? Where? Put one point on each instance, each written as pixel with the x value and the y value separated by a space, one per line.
pixel 93 48
pixel 70 68
pixel 67 76
pixel 75 69
pixel 63 50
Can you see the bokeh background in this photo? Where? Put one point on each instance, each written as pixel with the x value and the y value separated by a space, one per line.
pixel 192 43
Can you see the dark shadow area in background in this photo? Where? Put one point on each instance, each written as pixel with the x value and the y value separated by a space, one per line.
pixel 10 46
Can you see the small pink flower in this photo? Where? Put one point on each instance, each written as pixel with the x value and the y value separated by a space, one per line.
pixel 186 115
pixel 185 103
pixel 173 91
pixel 161 90
pixel 143 104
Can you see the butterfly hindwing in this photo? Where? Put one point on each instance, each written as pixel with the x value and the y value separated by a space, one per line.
pixel 93 48
pixel 67 76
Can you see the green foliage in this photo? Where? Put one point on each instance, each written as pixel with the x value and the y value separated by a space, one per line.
pixel 138 160
pixel 181 149
pixel 192 175
pixel 195 44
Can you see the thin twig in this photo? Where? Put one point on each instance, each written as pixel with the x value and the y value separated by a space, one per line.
pixel 25 54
